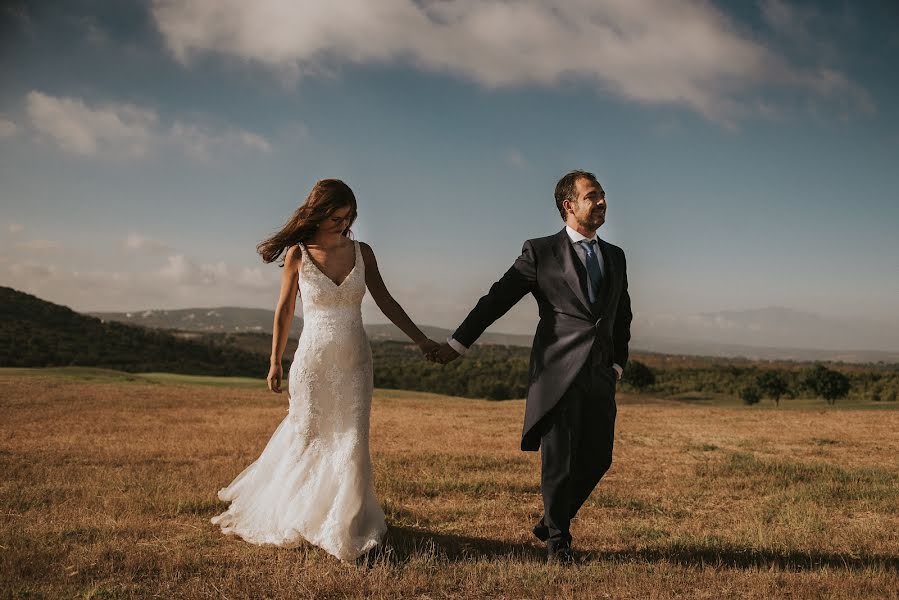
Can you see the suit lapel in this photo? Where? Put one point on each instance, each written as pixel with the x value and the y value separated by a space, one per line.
pixel 564 253
pixel 608 275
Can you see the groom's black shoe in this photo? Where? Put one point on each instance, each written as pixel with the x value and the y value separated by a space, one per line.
pixel 541 531
pixel 559 553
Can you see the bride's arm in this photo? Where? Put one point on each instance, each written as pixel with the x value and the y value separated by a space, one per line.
pixel 287 303
pixel 390 307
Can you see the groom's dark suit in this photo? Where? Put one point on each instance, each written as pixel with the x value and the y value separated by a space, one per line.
pixel 570 407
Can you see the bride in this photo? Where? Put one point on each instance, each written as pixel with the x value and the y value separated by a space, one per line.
pixel 313 480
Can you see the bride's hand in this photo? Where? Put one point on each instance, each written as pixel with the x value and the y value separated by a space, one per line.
pixel 428 348
pixel 275 373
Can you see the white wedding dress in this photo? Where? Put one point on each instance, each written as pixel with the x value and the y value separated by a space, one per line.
pixel 313 480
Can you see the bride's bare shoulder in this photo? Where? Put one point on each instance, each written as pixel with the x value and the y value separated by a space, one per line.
pixel 293 257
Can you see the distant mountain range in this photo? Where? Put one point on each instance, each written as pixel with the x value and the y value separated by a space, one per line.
pixel 232 319
pixel 701 335
pixel 774 332
pixel 764 353
pixel 223 319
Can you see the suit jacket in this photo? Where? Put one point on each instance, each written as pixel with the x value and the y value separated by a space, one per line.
pixel 569 324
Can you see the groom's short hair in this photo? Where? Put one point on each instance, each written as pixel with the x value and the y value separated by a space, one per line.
pixel 566 188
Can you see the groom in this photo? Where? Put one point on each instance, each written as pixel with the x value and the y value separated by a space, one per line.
pixel 579 351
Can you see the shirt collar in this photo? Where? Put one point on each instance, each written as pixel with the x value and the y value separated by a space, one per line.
pixel 575 237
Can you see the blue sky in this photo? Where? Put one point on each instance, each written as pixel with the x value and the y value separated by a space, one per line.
pixel 748 150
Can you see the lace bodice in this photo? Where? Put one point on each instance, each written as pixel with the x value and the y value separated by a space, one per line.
pixel 321 295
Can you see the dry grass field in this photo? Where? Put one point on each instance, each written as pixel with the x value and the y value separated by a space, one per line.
pixel 109 480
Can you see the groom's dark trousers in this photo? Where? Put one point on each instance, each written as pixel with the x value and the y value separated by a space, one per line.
pixel 576 446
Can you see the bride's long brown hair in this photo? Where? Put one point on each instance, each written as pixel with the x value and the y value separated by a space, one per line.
pixel 326 196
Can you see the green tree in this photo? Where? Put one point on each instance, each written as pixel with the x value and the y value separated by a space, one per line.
pixel 826 383
pixel 638 375
pixel 772 385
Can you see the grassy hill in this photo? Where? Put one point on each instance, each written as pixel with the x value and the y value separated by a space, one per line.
pixel 37 333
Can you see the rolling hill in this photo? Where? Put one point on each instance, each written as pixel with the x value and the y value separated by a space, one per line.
pixel 37 333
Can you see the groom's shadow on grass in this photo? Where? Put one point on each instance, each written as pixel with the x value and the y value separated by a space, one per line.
pixel 737 557
pixel 405 543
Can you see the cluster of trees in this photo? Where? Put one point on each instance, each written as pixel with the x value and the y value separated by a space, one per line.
pixel 500 372
pixel 751 384
pixel 492 372
pixel 819 380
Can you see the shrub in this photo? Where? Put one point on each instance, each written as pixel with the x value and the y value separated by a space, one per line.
pixel 638 375
pixel 750 395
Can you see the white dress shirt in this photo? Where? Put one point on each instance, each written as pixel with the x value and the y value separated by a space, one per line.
pixel 582 254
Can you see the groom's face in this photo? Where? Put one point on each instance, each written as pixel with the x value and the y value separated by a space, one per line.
pixel 588 209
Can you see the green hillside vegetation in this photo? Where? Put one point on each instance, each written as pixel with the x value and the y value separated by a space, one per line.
pixel 35 333
pixel 500 372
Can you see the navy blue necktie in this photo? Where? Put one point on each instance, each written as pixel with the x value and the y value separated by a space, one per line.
pixel 593 270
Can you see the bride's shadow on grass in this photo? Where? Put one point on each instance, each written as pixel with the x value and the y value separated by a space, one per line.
pixel 403 544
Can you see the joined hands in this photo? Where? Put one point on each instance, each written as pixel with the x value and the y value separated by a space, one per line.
pixel 428 347
pixel 437 353
pixel 444 354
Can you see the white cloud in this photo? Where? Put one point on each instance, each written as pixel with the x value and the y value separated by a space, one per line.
pixel 75 127
pixel 818 36
pixel 804 27
pixel 7 128
pixel 16 228
pixel 179 269
pixel 183 271
pixel 138 243
pixel 253 278
pixel 41 246
pixel 198 143
pixel 180 282
pixel 781 16
pixel 680 52
pixel 32 271
pixel 253 140
pixel 126 130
